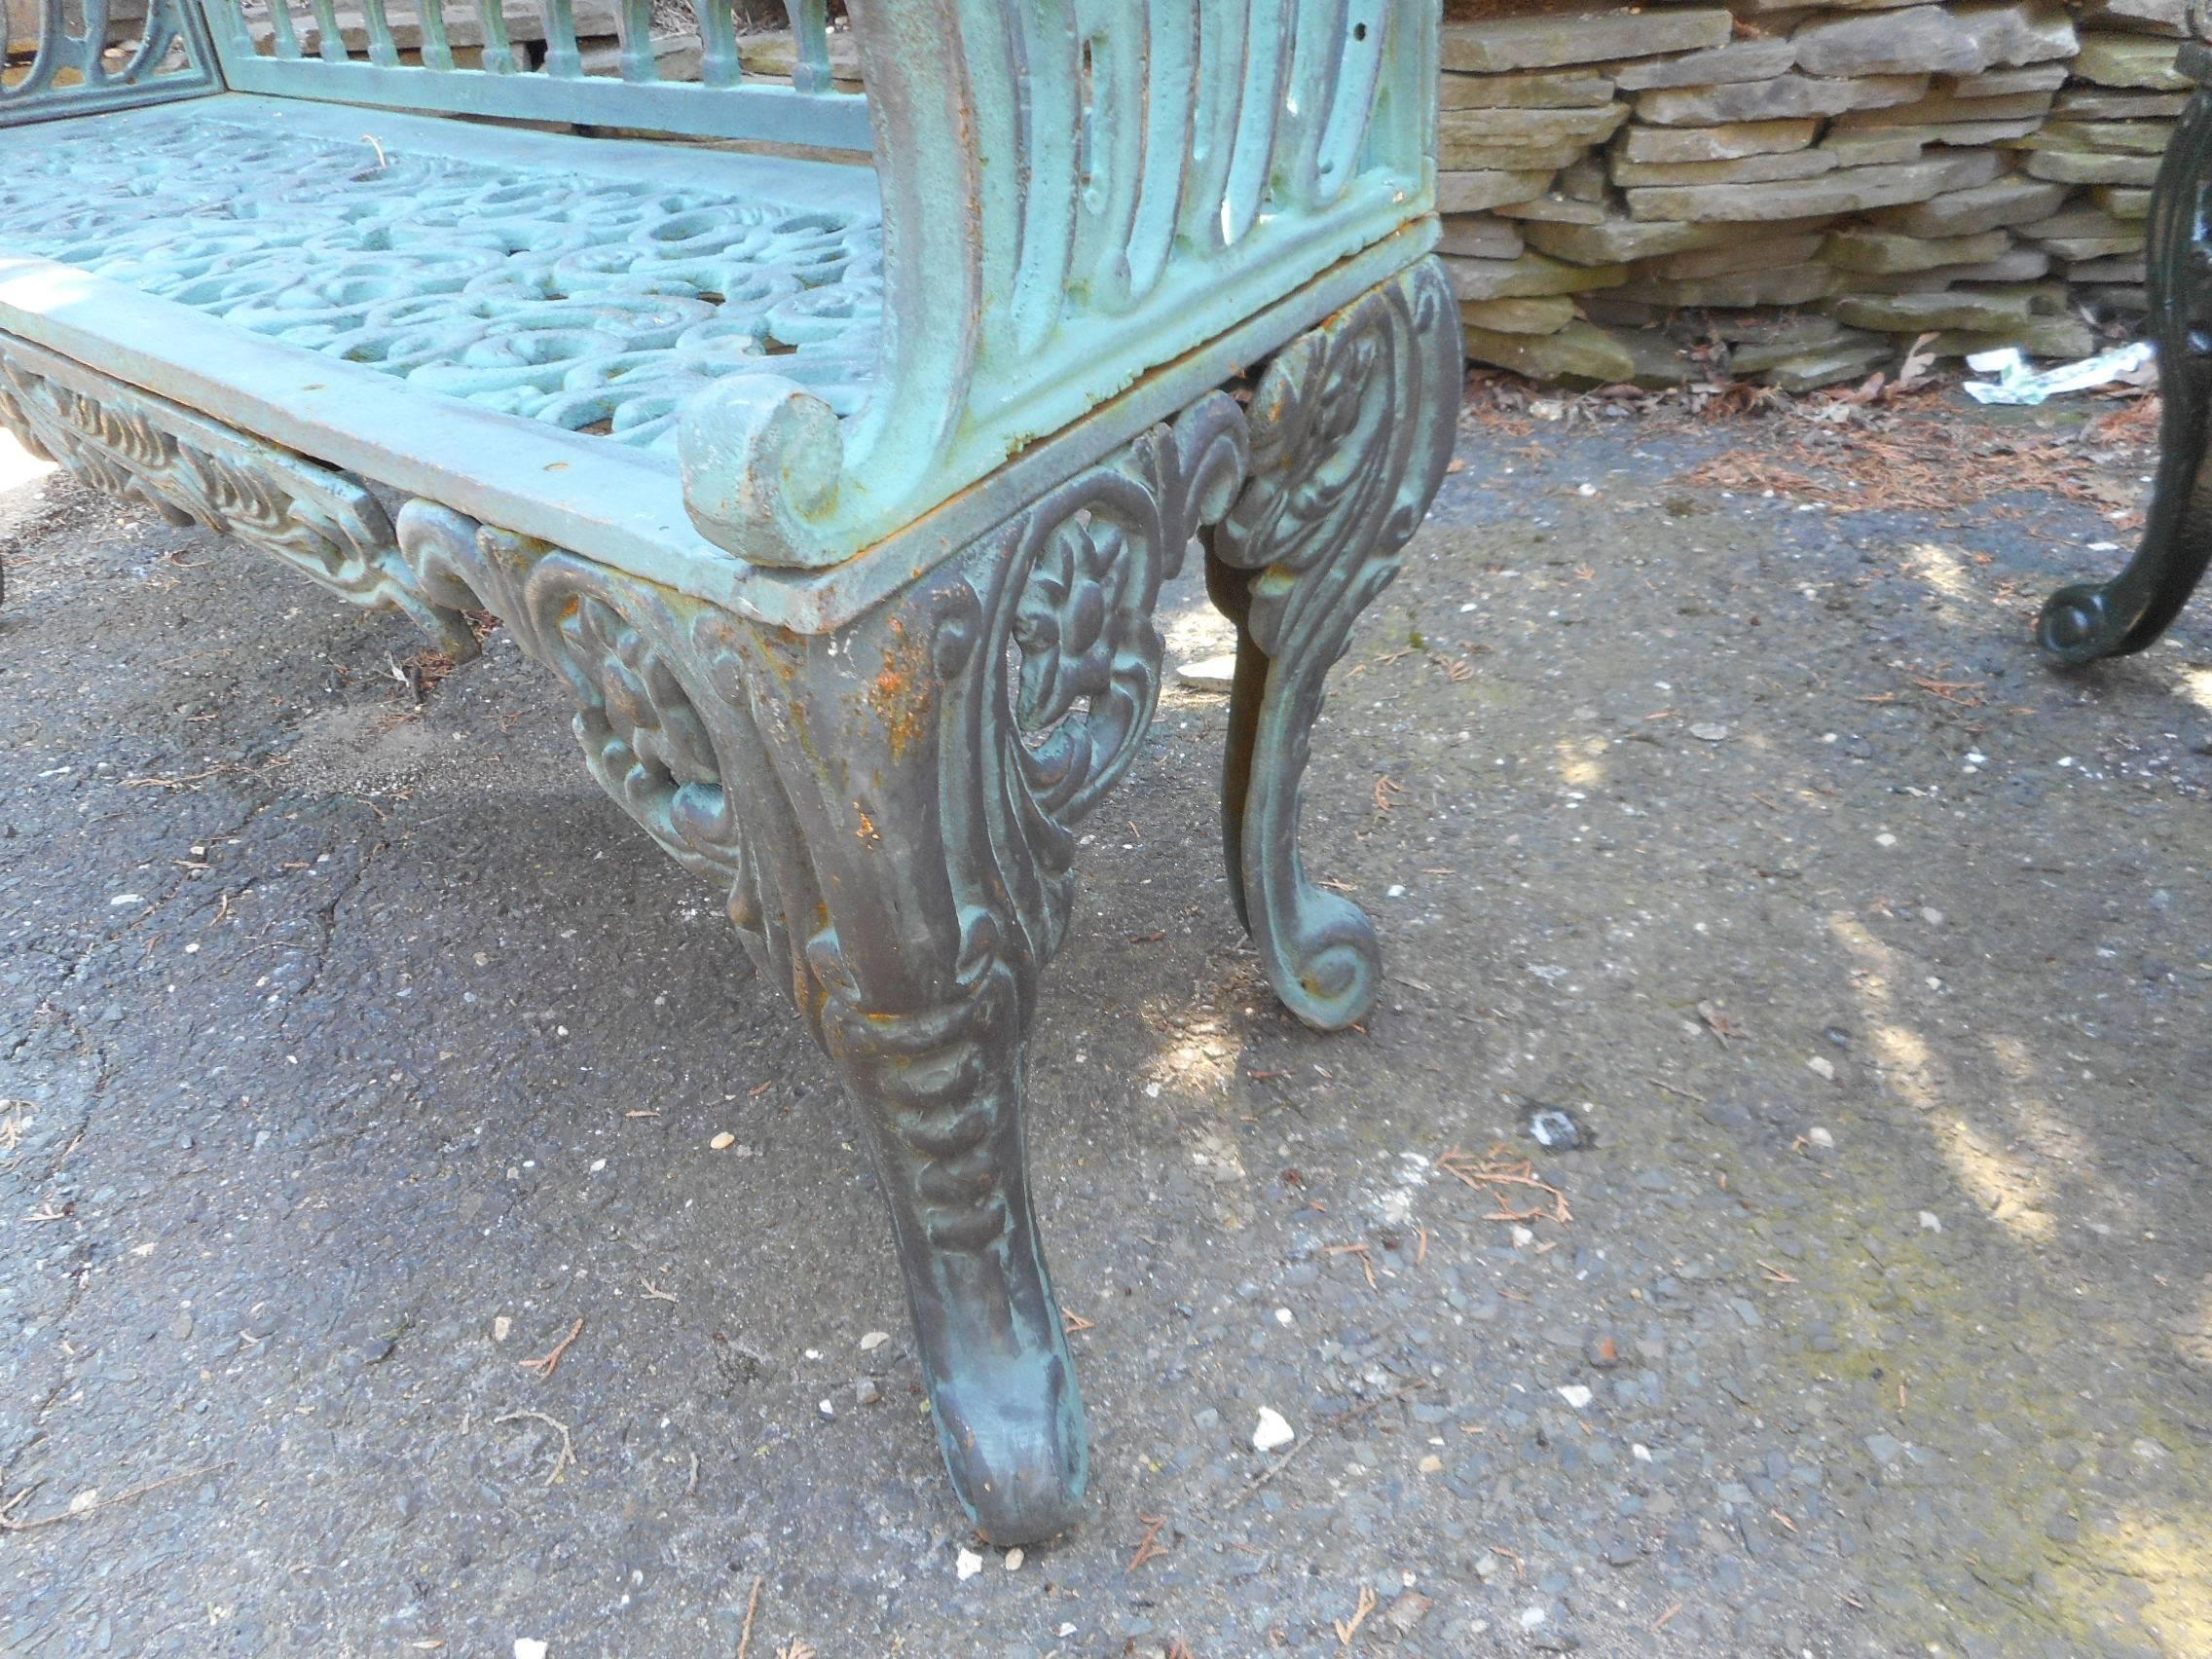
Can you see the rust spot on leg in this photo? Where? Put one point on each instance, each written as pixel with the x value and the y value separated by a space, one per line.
pixel 903 695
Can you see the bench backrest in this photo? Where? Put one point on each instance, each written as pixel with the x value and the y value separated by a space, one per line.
pixel 507 59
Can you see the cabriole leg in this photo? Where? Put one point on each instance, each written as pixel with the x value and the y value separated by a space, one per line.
pixel 2084 623
pixel 938 755
pixel 939 1089
pixel 1351 432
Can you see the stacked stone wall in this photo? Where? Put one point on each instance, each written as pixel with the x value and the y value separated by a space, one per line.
pixel 1794 189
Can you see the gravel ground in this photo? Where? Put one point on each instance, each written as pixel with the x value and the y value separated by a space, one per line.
pixel 352 1050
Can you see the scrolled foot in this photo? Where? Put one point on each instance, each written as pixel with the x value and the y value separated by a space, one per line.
pixel 2077 626
pixel 941 1091
pixel 1009 1419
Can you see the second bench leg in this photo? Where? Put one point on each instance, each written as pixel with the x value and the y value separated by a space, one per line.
pixel 1351 432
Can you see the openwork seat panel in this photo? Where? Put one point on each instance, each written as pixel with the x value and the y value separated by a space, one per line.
pixel 596 304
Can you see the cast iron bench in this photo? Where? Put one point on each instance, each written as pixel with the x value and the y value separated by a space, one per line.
pixel 832 449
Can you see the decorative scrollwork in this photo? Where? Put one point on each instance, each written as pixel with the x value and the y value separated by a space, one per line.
pixel 666 744
pixel 189 469
pixel 1351 432
pixel 1070 586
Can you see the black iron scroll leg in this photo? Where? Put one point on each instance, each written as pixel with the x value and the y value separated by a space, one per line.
pixel 1351 432
pixel 2085 623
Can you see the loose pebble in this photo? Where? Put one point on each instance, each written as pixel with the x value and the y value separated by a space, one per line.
pixel 967 1563
pixel 1274 1430
pixel 723 1141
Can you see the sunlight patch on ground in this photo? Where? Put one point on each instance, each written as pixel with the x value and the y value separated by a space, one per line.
pixel 2005 1188
pixel 1579 764
pixel 2172 1555
pixel 1943 569
pixel 1198 631
pixel 17 465
pixel 2008 1190
pixel 2195 683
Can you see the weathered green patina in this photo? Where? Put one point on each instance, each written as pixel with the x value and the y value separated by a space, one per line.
pixel 840 496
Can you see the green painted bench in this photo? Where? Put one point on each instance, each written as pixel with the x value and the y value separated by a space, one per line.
pixel 833 449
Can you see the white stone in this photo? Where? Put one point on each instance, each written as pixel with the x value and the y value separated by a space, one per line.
pixel 967 1563
pixel 1211 673
pixel 1575 1395
pixel 1272 1430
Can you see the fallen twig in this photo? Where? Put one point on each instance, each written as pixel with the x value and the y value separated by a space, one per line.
pixel 1347 1629
pixel 1497 1170
pixel 752 1606
pixel 1366 1258
pixel 1148 1546
pixel 1342 1421
pixel 567 1445
pixel 545 1364
pixel 10 1523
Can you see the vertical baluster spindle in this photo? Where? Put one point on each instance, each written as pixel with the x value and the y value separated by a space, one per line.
pixel 810 43
pixel 717 42
pixel 383 49
pixel 437 46
pixel 561 58
pixel 498 50
pixel 638 40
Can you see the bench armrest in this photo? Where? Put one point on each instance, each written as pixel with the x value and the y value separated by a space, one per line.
pixel 62 70
pixel 1075 191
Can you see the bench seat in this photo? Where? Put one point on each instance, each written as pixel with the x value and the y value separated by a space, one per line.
pixel 508 320
pixel 596 286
